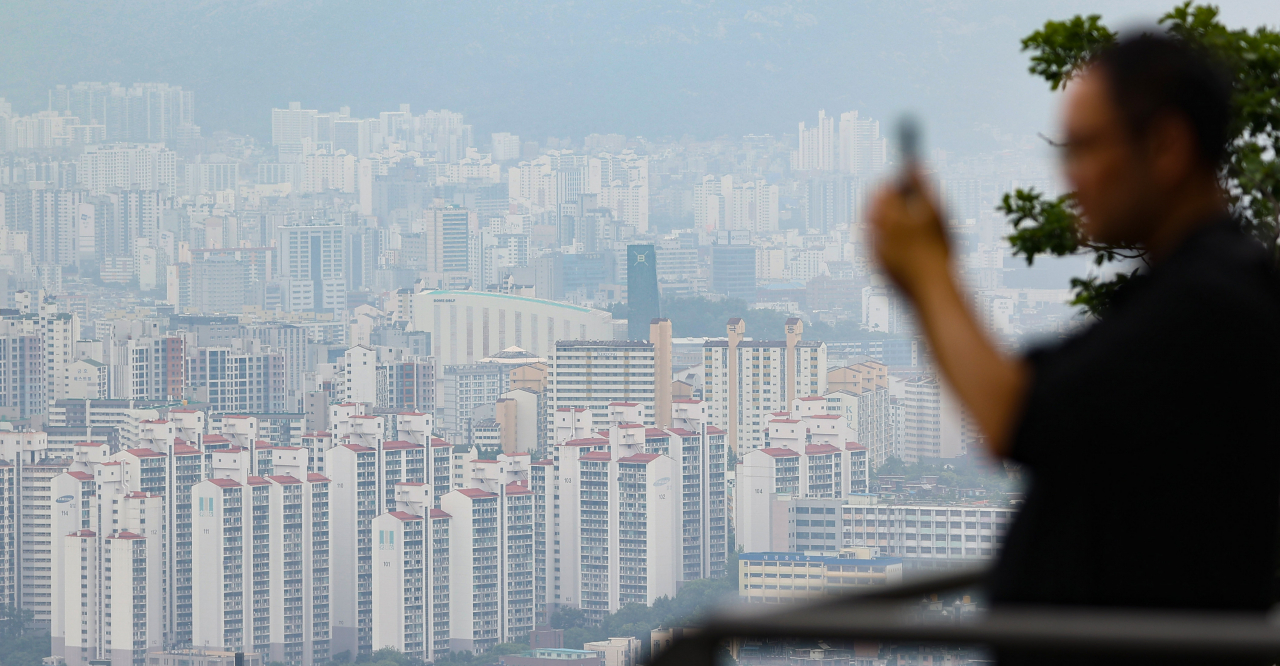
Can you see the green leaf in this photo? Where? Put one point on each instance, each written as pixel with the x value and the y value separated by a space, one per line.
pixel 1095 296
pixel 1060 47
pixel 1041 225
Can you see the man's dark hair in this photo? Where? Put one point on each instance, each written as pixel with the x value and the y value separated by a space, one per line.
pixel 1153 74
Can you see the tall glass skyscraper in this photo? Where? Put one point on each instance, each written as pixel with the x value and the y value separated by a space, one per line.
pixel 642 290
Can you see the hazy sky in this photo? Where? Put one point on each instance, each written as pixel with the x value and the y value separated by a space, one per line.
pixel 652 68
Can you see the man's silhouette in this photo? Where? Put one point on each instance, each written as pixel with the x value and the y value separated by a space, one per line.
pixel 1150 436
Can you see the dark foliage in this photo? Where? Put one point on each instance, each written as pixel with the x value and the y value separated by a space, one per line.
pixel 20 646
pixel 1251 176
pixel 702 317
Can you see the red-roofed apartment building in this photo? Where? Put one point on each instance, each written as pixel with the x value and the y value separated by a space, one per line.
pixel 746 380
pixel 611 552
pixel 808 455
pixel 353 505
pixel 105 549
pixel 411 582
pixel 491 559
pixel 700 452
pixel 262 567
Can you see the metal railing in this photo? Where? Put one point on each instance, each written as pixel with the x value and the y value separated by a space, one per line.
pixel 887 615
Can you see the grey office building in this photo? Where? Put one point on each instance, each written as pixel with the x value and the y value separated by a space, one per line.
pixel 733 271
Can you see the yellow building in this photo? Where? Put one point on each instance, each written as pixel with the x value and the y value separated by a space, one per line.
pixel 795 577
pixel 859 377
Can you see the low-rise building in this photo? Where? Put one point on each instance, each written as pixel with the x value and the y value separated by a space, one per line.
pixel 782 577
pixel 624 651
pixel 201 658
pixel 551 657
pixel 924 536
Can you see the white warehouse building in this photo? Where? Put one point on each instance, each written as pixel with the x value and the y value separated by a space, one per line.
pixel 467 326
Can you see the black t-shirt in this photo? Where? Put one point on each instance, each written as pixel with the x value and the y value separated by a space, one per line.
pixel 1152 443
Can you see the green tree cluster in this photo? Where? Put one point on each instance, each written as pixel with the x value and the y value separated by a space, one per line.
pixel 19 645
pixel 702 317
pixel 1250 177
pixel 694 600
pixel 692 603
pixel 489 658
pixel 995 481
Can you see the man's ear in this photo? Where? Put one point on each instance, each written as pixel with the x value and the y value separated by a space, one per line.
pixel 1171 149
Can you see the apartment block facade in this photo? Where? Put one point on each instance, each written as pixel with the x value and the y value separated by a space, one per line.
pixel 746 380
pixel 586 374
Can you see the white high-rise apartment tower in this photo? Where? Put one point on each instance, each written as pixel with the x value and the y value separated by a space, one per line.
pixel 863 151
pixel 817 150
pixel 113 584
pixel 747 380
pixel 354 505
pixel 108 590
pixel 146 166
pixel 700 450
pixel 292 125
pixel 410 579
pixel 38 526
pixel 312 268
pixel 505 146
pixel 261 553
pixel 491 559
pixel 618 508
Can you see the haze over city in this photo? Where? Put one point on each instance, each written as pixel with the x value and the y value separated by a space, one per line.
pixel 552 69
pixel 524 333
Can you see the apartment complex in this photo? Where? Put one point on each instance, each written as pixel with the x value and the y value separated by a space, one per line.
pixel 747 380
pixel 352 541
pixel 593 374
pixel 809 454
pixel 411 575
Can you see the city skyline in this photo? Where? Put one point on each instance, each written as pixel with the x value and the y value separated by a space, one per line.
pixel 536 331
pixel 526 69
